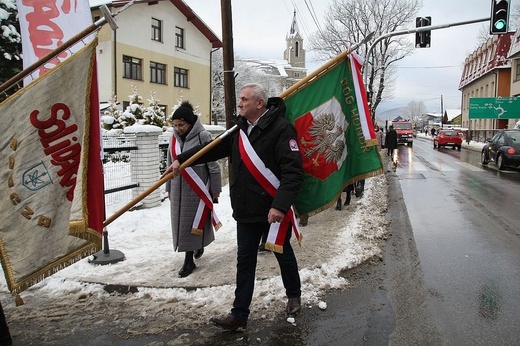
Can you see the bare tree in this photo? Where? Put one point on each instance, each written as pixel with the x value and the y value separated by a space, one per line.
pixel 218 115
pixel 246 71
pixel 350 21
pixel 414 110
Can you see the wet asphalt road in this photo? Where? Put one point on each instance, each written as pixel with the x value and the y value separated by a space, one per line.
pixel 450 273
pixel 466 224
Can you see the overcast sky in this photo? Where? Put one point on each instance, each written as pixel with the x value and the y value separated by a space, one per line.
pixel 260 28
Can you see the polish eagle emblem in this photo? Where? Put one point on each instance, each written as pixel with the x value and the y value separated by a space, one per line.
pixel 327 139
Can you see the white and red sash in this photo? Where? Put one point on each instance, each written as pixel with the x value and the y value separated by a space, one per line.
pixel 265 177
pixel 202 190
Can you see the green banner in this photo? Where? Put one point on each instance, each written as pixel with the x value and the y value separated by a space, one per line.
pixel 330 134
pixel 494 108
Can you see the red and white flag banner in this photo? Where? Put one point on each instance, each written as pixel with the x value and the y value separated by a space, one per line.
pixel 47 24
pixel 51 204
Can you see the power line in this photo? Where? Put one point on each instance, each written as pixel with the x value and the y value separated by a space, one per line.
pixel 411 67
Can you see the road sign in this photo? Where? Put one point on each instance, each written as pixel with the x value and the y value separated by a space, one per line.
pixel 494 108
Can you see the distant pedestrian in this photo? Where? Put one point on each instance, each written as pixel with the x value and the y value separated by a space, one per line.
pixel 391 141
pixel 433 131
pixel 380 137
pixel 358 188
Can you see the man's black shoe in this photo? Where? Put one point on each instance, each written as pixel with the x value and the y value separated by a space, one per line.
pixel 198 254
pixel 293 306
pixel 338 204
pixel 304 221
pixel 228 322
pixel 187 269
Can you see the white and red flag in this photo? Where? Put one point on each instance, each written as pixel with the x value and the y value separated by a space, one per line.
pixel 47 24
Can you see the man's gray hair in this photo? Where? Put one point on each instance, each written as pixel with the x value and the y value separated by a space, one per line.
pixel 259 91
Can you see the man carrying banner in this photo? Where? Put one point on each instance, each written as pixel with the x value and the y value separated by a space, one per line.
pixel 266 174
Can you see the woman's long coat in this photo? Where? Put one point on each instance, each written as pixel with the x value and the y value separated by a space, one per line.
pixel 184 201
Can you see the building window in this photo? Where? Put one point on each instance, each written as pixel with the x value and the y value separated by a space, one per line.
pixel 296 74
pixel 517 74
pixel 157 73
pixel 180 77
pixel 156 30
pixel 132 67
pixel 179 37
pixel 297 51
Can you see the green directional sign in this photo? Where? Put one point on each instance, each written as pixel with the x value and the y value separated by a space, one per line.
pixel 494 108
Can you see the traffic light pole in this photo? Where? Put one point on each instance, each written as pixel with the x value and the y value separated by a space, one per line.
pixel 412 31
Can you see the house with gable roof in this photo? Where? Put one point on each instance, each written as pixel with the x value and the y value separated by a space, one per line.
pixel 160 46
pixel 487 73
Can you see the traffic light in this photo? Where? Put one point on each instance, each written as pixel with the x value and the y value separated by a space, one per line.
pixel 499 17
pixel 422 39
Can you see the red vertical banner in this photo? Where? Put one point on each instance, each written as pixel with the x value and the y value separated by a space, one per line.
pixel 95 182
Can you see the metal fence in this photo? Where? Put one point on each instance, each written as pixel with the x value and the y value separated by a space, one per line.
pixel 117 154
pixel 481 135
pixel 119 176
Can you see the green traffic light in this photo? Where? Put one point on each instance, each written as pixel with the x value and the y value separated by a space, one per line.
pixel 500 24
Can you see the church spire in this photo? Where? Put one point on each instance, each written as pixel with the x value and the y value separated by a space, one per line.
pixel 294 25
pixel 294 53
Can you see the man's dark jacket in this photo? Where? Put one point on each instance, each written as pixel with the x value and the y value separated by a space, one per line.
pixel 274 140
pixel 391 140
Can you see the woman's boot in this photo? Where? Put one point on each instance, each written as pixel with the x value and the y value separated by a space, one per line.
pixel 189 265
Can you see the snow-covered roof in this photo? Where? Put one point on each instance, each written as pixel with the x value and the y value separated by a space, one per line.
pixel 451 112
pixel 190 15
pixel 514 51
pixel 489 56
pixel 269 66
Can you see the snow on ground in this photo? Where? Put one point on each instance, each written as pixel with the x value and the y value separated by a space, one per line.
pixel 332 241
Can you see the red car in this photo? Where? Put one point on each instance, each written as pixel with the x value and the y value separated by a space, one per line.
pixel 447 138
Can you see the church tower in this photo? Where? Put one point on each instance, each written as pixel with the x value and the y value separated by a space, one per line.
pixel 294 53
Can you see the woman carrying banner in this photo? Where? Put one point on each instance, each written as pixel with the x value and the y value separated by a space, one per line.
pixel 192 193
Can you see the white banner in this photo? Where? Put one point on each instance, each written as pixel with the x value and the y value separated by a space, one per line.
pixel 47 24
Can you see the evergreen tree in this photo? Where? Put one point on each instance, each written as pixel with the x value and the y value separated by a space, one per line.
pixel 111 116
pixel 154 113
pixel 10 44
pixel 134 112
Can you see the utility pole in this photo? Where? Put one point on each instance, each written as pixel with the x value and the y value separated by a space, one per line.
pixel 442 114
pixel 229 68
pixel 229 63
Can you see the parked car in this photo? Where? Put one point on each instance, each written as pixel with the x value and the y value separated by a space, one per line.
pixel 447 138
pixel 503 149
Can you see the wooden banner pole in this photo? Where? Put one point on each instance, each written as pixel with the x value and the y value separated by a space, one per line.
pixel 168 176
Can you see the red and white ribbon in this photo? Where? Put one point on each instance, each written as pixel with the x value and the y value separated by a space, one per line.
pixel 202 190
pixel 270 183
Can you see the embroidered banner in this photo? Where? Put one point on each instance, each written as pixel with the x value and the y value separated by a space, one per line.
pixel 335 135
pixel 51 204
